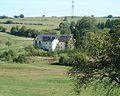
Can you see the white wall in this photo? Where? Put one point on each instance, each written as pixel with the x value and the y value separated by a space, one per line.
pixel 47 45
pixel 54 44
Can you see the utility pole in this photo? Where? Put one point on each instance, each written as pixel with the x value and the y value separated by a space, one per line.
pixel 72 13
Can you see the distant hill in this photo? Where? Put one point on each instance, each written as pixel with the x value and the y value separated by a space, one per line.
pixel 40 23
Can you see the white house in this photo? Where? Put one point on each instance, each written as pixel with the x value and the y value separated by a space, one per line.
pixel 53 42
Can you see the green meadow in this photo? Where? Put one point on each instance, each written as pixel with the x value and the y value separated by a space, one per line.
pixel 39 78
pixel 46 23
pixel 36 79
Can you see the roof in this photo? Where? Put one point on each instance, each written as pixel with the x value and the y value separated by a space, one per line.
pixel 64 38
pixel 50 38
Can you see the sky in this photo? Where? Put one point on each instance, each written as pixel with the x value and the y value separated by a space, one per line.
pixel 37 8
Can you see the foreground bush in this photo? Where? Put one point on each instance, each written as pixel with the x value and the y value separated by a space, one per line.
pixel 64 59
pixel 12 56
pixel 20 59
pixel 99 65
pixel 7 55
pixel 34 51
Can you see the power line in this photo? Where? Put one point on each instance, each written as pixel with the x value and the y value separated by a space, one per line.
pixel 72 13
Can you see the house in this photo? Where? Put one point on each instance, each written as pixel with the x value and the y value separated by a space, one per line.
pixel 54 42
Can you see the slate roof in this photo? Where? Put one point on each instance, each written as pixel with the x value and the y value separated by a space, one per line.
pixel 64 38
pixel 50 38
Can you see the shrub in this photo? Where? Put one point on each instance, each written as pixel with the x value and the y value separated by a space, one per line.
pixel 20 59
pixel 34 51
pixel 64 59
pixel 2 29
pixel 7 55
pixel 9 22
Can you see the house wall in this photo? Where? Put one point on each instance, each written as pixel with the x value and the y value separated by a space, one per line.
pixel 37 41
pixel 54 44
pixel 47 45
pixel 61 46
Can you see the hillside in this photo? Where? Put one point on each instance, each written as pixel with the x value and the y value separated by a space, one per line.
pixel 45 23
pixel 17 43
pixel 38 78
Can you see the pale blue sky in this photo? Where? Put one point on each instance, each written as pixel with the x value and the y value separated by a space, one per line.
pixel 59 8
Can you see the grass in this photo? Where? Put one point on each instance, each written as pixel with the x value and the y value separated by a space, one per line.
pixel 37 27
pixel 18 43
pixel 31 79
pixel 41 79
pixel 47 23
pixel 36 79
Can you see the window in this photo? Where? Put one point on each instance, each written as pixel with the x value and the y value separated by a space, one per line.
pixel 40 43
pixel 35 42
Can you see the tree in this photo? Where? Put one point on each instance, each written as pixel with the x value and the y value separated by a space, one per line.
pixel 16 16
pixel 9 22
pixel 86 23
pixel 108 24
pixel 110 16
pixel 102 25
pixel 22 16
pixel 72 27
pixel 8 55
pixel 99 25
pixel 92 16
pixel 80 29
pixel 2 29
pixel 13 30
pixel 20 59
pixel 64 28
pixel 99 63
pixel 43 16
pixel 22 31
pixel 79 38
pixel 4 17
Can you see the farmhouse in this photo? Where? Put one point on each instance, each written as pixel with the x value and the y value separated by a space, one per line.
pixel 54 42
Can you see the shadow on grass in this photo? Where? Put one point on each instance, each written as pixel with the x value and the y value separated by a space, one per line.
pixel 59 64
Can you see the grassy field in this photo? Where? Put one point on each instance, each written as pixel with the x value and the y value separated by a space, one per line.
pixel 47 23
pixel 31 79
pixel 37 79
pixel 18 43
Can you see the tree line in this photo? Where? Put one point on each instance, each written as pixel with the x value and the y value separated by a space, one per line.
pixel 28 32
pixel 96 60
pixel 108 24
pixel 23 31
pixel 7 17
